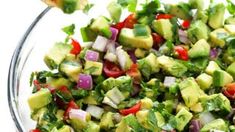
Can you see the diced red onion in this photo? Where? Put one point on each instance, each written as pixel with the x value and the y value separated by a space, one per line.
pixel 213 53
pixel 78 114
pixel 85 81
pixel 95 111
pixel 206 117
pixel 183 37
pixel 132 55
pixel 91 55
pixel 168 81
pixel 195 126
pixel 114 33
pixel 136 90
pixel 100 43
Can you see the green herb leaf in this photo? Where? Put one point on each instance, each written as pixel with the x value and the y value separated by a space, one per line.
pixel 31 78
pixel 133 123
pixel 175 29
pixel 140 30
pixel 69 30
pixel 149 8
pixel 231 7
pixel 87 8
pixel 79 93
pixel 130 4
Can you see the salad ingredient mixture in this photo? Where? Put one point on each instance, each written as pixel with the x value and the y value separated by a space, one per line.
pixel 165 67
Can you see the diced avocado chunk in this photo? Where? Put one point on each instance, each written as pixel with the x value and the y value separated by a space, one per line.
pixel 171 66
pixel 216 15
pixel 106 121
pixel 123 127
pixel 187 87
pixel 93 68
pixel 230 28
pixel 56 55
pixel 140 53
pixel 146 103
pixel 58 82
pixel 169 105
pixel 115 95
pixel 200 49
pixel 181 10
pixel 40 99
pixel 204 81
pixel 64 128
pixel 133 123
pixel 101 26
pixel 218 124
pixel 124 59
pixel 115 11
pixel 198 30
pixel 182 118
pixel 181 106
pixel 197 108
pixel 197 4
pixel 218 36
pixel 202 15
pixel 164 28
pixel 231 69
pixel 60 114
pixel 160 119
pixel 212 66
pixel 35 115
pixel 128 38
pixel 230 20
pixel 142 118
pixel 149 63
pixel 92 127
pixel 71 68
pixel 221 78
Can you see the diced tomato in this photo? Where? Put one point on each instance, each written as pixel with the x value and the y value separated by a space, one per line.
pixel 76 47
pixel 229 90
pixel 112 70
pixel 134 73
pixel 186 24
pixel 36 84
pixel 130 21
pixel 118 26
pixel 134 109
pixel 35 130
pixel 157 40
pixel 163 16
pixel 181 53
pixel 71 105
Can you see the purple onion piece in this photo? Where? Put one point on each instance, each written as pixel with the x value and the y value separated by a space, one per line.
pixel 183 37
pixel 114 33
pixel 132 55
pixel 85 81
pixel 213 53
pixel 136 90
pixel 195 126
pixel 91 55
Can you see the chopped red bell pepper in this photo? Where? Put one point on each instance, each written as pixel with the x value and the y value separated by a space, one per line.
pixel 71 105
pixel 163 16
pixel 134 73
pixel 76 47
pixel 181 53
pixel 186 24
pixel 229 90
pixel 134 109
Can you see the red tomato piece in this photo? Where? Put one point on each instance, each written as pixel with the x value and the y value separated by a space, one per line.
pixel 181 53
pixel 186 24
pixel 134 73
pixel 76 47
pixel 130 21
pixel 35 130
pixel 163 16
pixel 112 70
pixel 134 109
pixel 118 26
pixel 229 90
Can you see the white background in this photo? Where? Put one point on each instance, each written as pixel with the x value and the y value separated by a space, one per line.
pixel 15 17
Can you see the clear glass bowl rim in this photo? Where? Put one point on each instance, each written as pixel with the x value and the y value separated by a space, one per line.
pixel 12 91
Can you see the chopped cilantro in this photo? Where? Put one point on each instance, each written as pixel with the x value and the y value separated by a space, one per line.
pixel 87 8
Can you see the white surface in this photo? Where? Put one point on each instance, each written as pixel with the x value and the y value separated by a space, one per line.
pixel 16 16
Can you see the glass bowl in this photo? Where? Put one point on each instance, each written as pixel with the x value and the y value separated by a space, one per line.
pixel 28 55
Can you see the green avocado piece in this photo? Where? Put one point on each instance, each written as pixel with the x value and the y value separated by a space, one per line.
pixel 128 38
pixel 187 87
pixel 56 55
pixel 197 4
pixel 200 49
pixel 171 66
pixel 64 128
pixel 101 26
pixel 106 121
pixel 230 28
pixel 198 30
pixel 230 20
pixel 212 66
pixel 164 28
pixel 231 69
pixel 92 127
pixel 221 78
pixel 182 118
pixel 40 99
pixel 181 10
pixel 115 11
pixel 216 15
pixel 218 124
pixel 58 82
pixel 202 15
pixel 204 81
pixel 93 68
pixel 218 37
